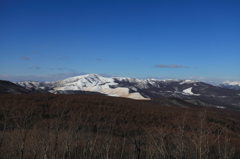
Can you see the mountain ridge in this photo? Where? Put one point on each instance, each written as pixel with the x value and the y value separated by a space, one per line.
pixel 144 89
pixel 230 85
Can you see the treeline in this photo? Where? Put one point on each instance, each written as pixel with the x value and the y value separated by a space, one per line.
pixel 95 127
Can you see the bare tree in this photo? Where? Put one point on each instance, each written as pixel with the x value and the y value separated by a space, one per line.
pixel 158 138
pixel 24 121
pixel 225 149
pixel 7 115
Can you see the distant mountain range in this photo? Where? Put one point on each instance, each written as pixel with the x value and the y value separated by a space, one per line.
pixel 195 92
pixel 7 87
pixel 230 85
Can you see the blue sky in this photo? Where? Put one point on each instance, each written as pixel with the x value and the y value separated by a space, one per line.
pixel 44 40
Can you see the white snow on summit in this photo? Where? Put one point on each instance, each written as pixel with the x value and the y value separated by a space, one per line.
pixel 96 83
pixel 187 81
pixel 232 83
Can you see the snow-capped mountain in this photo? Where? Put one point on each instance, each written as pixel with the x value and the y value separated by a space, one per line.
pixel 118 86
pixel 230 85
pixel 140 89
pixel 91 82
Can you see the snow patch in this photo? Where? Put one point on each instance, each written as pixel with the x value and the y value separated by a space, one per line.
pixel 221 107
pixel 135 96
pixel 134 89
pixel 189 91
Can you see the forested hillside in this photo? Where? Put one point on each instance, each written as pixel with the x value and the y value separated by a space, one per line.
pixel 94 126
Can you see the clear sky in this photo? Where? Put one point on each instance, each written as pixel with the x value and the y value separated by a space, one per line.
pixel 46 40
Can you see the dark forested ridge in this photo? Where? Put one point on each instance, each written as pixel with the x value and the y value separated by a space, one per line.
pixel 7 87
pixel 94 126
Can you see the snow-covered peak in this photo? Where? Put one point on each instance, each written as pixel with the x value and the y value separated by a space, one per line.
pixel 29 84
pixel 188 81
pixel 232 83
pixel 76 78
pixel 81 82
pixel 123 78
pixel 170 80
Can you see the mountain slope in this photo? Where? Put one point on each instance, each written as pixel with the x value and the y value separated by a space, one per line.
pixel 7 87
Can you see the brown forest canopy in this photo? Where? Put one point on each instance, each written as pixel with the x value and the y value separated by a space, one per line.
pixel 93 126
